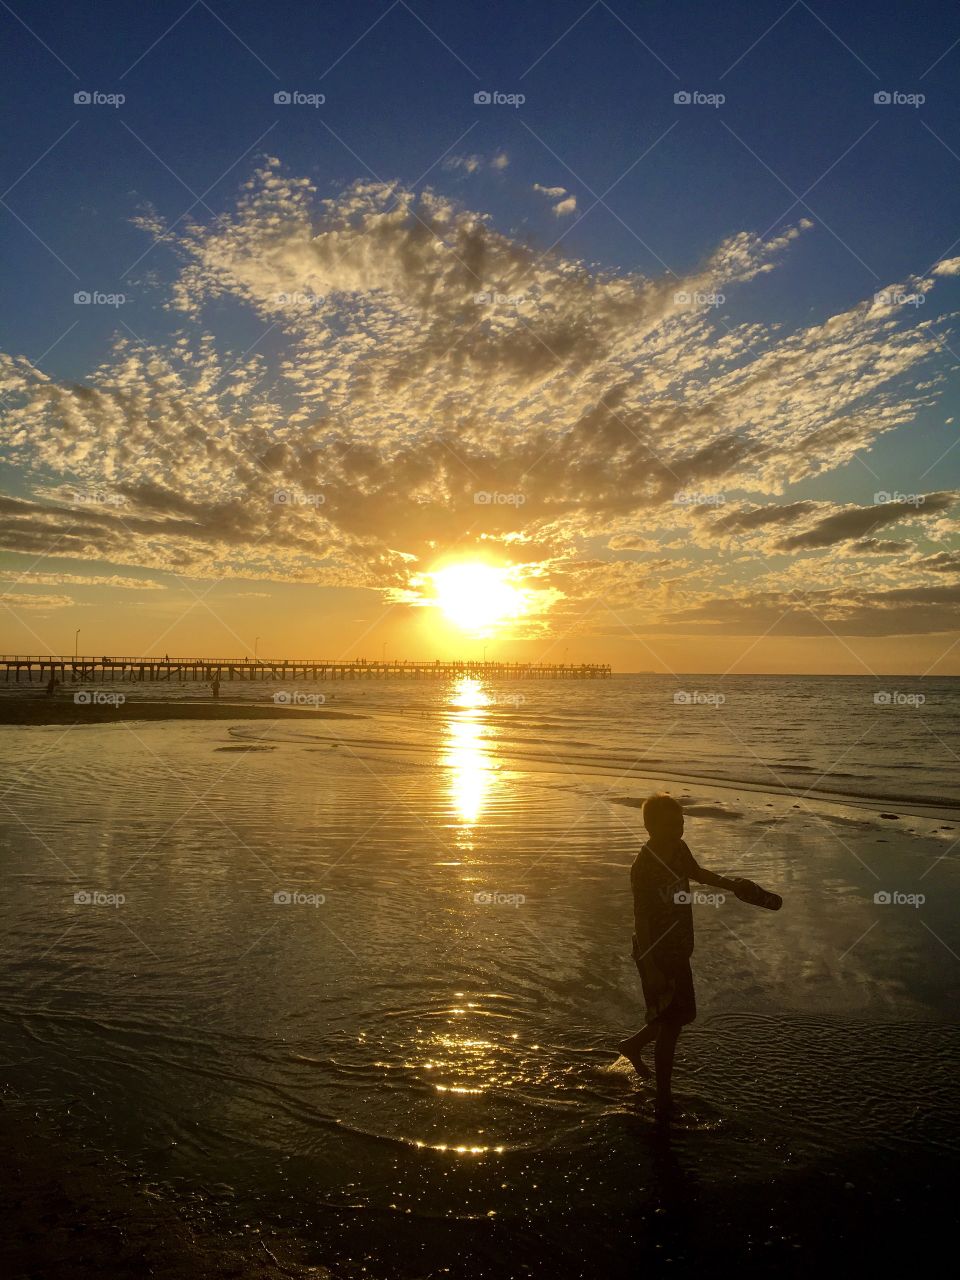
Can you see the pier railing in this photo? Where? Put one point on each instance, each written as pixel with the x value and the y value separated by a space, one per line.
pixel 82 667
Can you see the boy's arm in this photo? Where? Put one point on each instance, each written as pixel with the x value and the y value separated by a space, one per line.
pixel 703 876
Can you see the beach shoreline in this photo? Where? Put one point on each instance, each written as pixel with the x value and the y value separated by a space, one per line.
pixel 45 711
pixel 65 1213
pixel 325 1087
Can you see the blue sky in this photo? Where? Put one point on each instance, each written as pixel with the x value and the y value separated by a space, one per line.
pixel 798 136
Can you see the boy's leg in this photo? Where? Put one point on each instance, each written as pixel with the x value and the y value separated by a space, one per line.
pixel 631 1048
pixel 663 1060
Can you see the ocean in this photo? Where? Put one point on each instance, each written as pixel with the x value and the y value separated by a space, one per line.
pixel 359 982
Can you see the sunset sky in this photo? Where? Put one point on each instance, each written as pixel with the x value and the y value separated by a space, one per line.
pixel 676 380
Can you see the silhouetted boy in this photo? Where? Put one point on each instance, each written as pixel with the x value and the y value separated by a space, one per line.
pixel 663 938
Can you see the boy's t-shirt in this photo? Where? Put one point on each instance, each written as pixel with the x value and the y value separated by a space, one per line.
pixel 664 926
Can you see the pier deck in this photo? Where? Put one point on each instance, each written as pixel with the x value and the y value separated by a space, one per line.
pixel 85 670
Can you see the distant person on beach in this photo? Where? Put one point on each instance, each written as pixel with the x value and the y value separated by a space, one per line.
pixel 215 686
pixel 52 685
pixel 663 937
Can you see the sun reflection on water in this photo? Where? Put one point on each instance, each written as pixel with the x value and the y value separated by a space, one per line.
pixel 466 750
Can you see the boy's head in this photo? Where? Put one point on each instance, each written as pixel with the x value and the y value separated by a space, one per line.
pixel 662 816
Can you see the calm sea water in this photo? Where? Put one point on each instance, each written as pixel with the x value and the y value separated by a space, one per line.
pixel 359 981
pixel 896 738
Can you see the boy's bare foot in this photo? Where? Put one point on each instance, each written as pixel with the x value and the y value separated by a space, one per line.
pixel 632 1054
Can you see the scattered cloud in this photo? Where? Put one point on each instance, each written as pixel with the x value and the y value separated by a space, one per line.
pixel 428 385
pixel 51 578
pixel 469 165
pixel 859 522
pixel 20 601
pixel 566 203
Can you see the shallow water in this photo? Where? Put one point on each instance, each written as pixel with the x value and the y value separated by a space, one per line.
pixel 894 738
pixel 374 973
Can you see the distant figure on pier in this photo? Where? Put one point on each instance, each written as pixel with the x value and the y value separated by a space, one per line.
pixel 215 686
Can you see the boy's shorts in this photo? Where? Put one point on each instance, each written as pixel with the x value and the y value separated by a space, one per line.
pixel 670 997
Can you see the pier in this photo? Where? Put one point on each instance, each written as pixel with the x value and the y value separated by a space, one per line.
pixel 88 670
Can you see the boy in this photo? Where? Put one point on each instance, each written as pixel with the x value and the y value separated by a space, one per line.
pixel 663 941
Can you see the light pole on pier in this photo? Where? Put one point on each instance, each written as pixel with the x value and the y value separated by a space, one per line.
pixel 76 643
pixel 255 644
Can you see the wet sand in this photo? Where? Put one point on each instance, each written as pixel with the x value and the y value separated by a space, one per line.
pixel 67 1215
pixel 38 710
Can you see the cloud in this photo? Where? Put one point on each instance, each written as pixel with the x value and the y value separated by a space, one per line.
pixel 52 578
pixel 19 601
pixel 565 203
pixel 469 165
pixel 947 267
pixel 630 542
pixel 879 546
pixel 859 522
pixel 425 384
pixel 746 520
pixel 915 610
pixel 939 562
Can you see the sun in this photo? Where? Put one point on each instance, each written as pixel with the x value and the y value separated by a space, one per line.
pixel 477 597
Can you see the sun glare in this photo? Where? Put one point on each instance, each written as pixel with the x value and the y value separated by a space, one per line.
pixel 477 597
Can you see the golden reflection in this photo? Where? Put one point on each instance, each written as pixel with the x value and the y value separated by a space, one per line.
pixel 459 1150
pixel 466 750
pixel 468 692
pixel 464 1060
